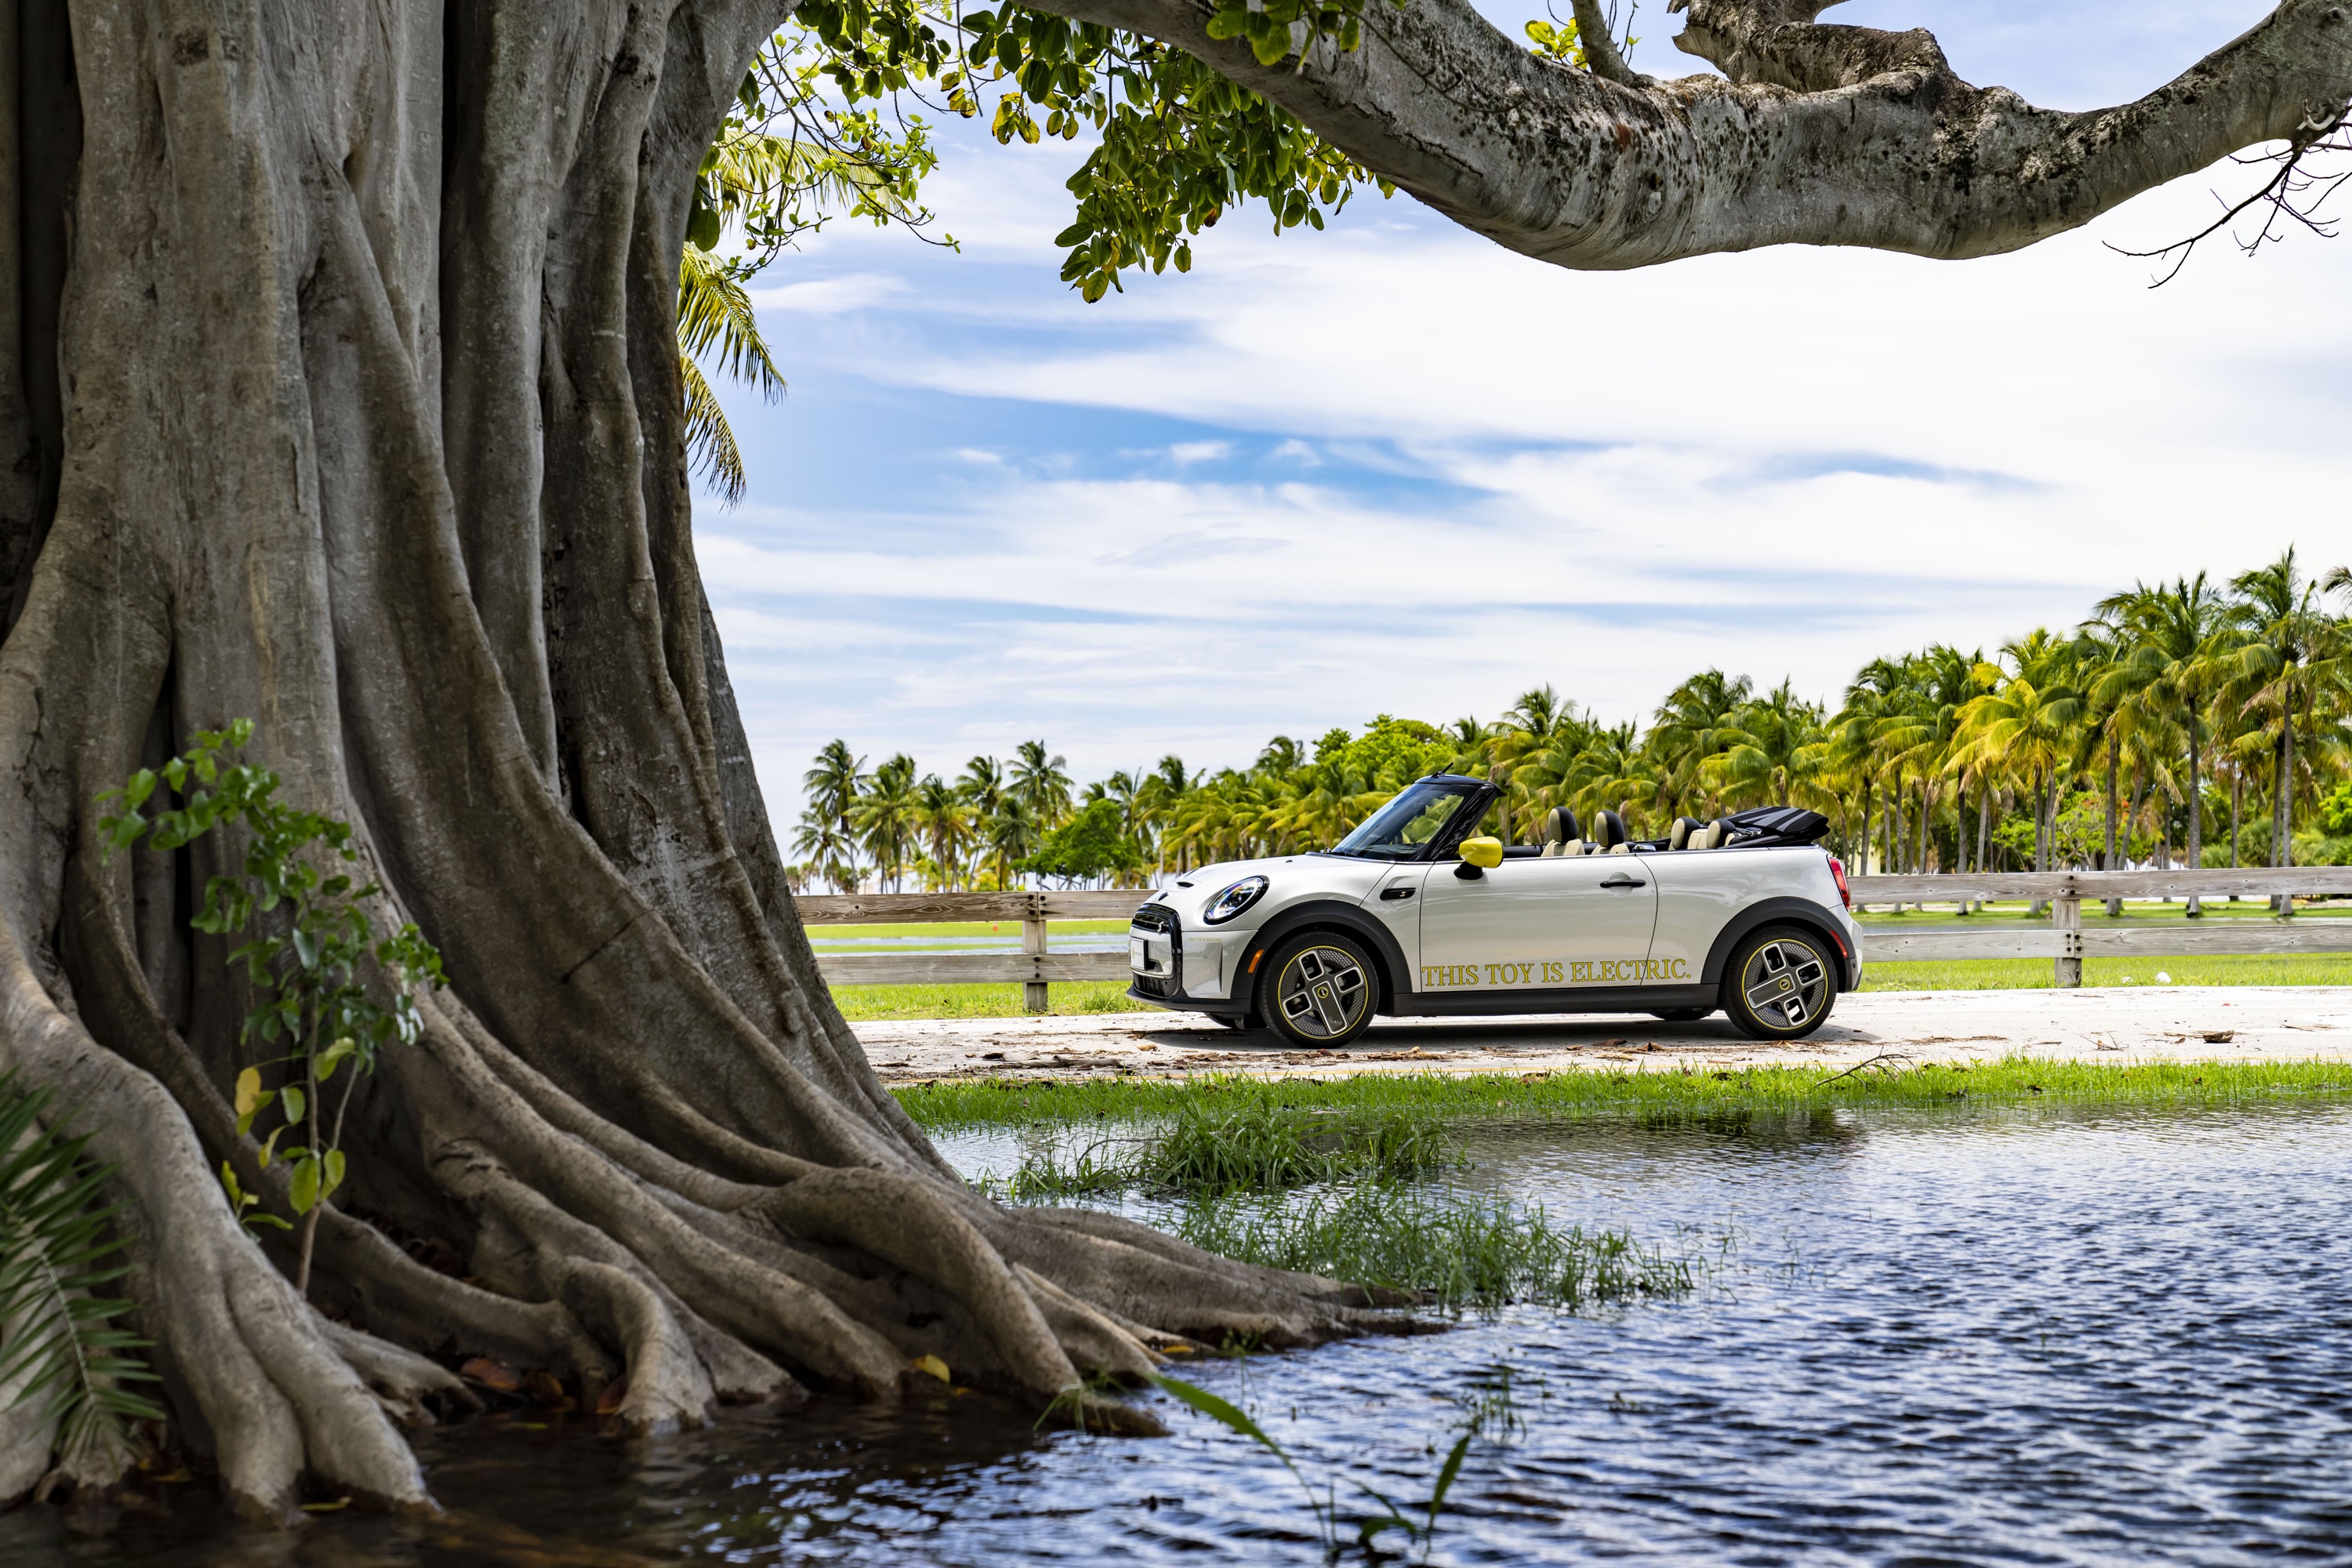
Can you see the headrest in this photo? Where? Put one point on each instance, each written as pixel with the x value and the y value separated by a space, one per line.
pixel 1608 831
pixel 1678 836
pixel 1559 825
pixel 1712 836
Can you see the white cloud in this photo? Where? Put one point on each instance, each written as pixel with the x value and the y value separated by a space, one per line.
pixel 1783 462
pixel 829 295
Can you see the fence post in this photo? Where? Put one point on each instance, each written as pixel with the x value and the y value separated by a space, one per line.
pixel 2066 917
pixel 1032 945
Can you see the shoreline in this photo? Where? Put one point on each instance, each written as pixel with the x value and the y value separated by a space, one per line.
pixel 2115 1025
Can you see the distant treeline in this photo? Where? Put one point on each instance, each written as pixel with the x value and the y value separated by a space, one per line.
pixel 2180 723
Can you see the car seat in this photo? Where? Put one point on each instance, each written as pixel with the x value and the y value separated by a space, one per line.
pixel 1711 837
pixel 1607 834
pixel 1678 836
pixel 1562 834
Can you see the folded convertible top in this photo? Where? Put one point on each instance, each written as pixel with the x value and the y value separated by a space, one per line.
pixel 1769 824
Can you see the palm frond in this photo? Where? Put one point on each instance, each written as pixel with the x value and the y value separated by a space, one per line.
pixel 710 447
pixel 715 313
pixel 55 1257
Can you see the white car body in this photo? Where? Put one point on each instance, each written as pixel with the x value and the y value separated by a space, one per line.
pixel 1646 929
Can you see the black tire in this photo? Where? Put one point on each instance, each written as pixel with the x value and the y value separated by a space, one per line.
pixel 1780 984
pixel 1684 1015
pixel 1319 990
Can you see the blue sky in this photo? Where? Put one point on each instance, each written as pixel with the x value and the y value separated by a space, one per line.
pixel 1391 467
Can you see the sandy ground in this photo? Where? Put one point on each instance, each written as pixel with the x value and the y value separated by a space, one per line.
pixel 2235 1022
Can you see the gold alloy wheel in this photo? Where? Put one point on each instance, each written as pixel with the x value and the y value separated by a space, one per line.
pixel 1322 993
pixel 1786 982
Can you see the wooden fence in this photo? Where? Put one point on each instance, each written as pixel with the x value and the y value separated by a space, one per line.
pixel 2063 940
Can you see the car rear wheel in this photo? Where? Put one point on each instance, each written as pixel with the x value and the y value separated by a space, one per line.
pixel 1319 990
pixel 1683 1015
pixel 1780 984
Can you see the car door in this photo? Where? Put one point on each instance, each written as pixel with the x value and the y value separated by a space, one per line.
pixel 1699 892
pixel 1536 925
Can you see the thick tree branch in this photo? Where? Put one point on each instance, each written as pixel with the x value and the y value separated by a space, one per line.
pixel 1821 135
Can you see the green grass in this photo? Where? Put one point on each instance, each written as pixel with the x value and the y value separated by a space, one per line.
pixel 1254 1145
pixel 2028 974
pixel 1450 1247
pixel 1578 1094
pixel 980 1001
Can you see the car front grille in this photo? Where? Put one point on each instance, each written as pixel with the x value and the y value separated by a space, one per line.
pixel 1158 923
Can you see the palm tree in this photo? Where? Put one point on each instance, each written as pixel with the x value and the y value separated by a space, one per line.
pixel 2288 652
pixel 833 785
pixel 1698 719
pixel 1158 794
pixel 1769 755
pixel 1853 740
pixel 1039 781
pixel 753 173
pixel 2174 644
pixel 2028 723
pixel 943 818
pixel 886 816
pixel 1012 833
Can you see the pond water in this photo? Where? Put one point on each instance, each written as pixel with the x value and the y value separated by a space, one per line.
pixel 2043 1336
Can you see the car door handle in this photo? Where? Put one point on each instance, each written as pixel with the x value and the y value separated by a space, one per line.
pixel 1622 881
pixel 1396 893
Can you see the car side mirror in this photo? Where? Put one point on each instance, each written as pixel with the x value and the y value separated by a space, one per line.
pixel 1479 855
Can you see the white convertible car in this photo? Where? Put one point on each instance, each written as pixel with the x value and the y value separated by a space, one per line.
pixel 1409 915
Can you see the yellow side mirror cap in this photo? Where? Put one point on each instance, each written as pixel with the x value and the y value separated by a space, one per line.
pixel 1483 852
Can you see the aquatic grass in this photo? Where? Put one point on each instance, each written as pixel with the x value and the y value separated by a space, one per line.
pixel 1453 1248
pixel 1680 1091
pixel 1258 1145
pixel 1326 1507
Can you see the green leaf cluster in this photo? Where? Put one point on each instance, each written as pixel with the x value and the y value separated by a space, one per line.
pixel 1178 142
pixel 327 988
pixel 58 1255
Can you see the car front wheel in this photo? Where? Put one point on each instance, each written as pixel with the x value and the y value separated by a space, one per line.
pixel 1320 988
pixel 1780 984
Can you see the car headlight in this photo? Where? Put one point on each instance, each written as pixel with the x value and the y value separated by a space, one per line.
pixel 1233 900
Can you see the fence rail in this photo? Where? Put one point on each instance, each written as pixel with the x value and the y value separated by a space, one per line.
pixel 2063 941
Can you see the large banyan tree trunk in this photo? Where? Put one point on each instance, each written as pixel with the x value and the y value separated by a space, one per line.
pixel 344 396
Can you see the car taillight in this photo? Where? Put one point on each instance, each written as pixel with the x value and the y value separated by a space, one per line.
pixel 1837 870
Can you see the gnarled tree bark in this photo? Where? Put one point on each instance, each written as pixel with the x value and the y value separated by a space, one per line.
pixel 338 389
pixel 364 423
pixel 1813 135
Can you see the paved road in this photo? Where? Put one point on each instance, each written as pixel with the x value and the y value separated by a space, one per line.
pixel 2238 1023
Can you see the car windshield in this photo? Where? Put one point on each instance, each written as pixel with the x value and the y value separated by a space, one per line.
pixel 1402 829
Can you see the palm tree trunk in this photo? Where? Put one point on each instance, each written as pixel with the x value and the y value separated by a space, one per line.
pixel 1919 838
pixel 2042 782
pixel 2195 812
pixel 1984 827
pixel 1868 800
pixel 2284 762
pixel 2107 857
pixel 1960 826
pixel 2237 807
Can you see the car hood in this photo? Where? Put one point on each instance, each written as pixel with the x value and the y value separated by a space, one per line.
pixel 1289 879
